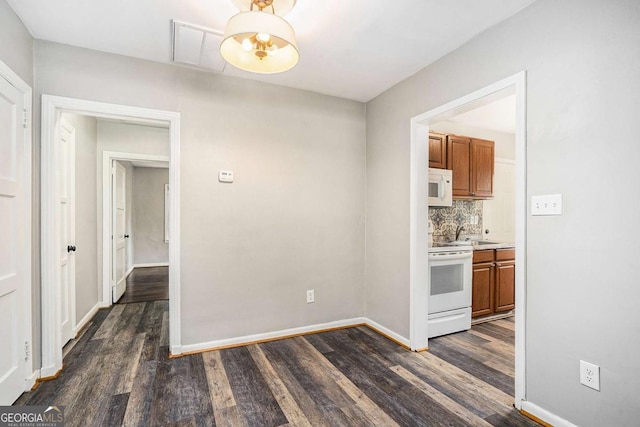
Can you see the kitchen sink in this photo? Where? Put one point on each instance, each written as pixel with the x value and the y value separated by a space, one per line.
pixel 461 243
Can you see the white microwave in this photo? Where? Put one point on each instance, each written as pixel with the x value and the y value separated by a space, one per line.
pixel 440 187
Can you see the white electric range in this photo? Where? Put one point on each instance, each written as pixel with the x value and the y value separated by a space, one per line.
pixel 450 271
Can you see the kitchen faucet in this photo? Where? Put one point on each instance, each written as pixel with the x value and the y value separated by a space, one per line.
pixel 459 229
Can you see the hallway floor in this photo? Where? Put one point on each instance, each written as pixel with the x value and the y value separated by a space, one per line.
pixel 146 284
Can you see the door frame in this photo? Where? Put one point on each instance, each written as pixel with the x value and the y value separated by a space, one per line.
pixel 52 108
pixel 31 373
pixel 107 256
pixel 419 272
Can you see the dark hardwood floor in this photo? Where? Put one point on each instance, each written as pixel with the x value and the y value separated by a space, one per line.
pixel 146 284
pixel 119 373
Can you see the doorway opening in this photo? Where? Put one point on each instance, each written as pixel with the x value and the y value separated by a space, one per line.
pixel 53 108
pixel 446 120
pixel 136 233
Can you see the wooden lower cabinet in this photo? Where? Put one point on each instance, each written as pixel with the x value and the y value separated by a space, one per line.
pixel 482 297
pixel 493 286
pixel 505 286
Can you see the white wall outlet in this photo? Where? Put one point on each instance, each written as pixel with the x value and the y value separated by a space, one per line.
pixel 546 205
pixel 590 375
pixel 225 176
pixel 310 296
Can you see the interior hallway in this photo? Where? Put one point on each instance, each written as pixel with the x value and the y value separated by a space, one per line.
pixel 119 373
pixel 146 284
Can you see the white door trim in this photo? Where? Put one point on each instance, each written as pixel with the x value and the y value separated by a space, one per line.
pixel 9 75
pixel 52 108
pixel 107 158
pixel 419 277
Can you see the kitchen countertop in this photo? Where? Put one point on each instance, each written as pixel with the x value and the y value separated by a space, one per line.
pixel 471 244
pixel 496 245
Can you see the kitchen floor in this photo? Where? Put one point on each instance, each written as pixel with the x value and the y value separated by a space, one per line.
pixel 486 351
pixel 119 373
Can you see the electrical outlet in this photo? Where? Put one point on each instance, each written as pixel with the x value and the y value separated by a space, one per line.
pixel 590 375
pixel 310 296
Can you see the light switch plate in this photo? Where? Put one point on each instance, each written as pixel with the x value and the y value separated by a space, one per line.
pixel 225 176
pixel 550 204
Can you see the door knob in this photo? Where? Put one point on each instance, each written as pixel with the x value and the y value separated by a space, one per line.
pixel 71 248
pixel 126 236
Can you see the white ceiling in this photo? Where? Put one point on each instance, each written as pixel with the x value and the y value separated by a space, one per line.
pixel 353 49
pixel 498 115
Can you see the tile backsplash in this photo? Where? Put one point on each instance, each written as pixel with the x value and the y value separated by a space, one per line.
pixel 446 219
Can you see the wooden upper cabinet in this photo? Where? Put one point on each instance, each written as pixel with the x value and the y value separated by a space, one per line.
pixel 437 150
pixel 459 161
pixel 472 163
pixel 482 167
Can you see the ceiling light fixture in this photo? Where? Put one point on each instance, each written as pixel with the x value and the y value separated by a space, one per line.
pixel 258 40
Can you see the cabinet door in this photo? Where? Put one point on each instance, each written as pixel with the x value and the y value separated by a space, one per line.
pixel 437 150
pixel 482 166
pixel 505 286
pixel 459 161
pixel 482 289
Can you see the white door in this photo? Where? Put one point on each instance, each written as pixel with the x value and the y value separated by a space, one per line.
pixel 119 210
pixel 498 214
pixel 14 225
pixel 66 204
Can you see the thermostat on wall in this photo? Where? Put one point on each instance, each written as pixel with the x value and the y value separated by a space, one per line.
pixel 225 176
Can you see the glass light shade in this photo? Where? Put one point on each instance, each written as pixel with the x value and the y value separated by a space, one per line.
pixel 246 25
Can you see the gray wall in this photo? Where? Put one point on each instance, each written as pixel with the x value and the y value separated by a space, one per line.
pixel 505 147
pixel 148 215
pixel 582 82
pixel 294 217
pixel 16 44
pixel 86 208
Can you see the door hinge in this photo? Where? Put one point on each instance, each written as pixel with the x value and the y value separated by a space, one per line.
pixel 27 350
pixel 25 119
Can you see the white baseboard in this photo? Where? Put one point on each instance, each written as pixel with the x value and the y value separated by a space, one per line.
pixel 48 371
pixel 545 415
pixel 191 348
pixel 386 331
pixel 150 264
pixel 30 381
pixel 247 339
pixel 87 317
pixel 129 271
